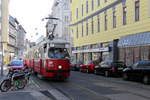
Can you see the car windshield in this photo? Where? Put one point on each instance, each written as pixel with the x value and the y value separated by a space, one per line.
pixel 144 64
pixel 58 53
pixel 118 64
pixel 141 64
pixel 16 63
pixel 73 62
pixel 88 62
pixel 105 64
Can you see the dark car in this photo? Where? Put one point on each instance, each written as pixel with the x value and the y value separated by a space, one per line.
pixel 138 71
pixel 109 68
pixel 16 65
pixel 75 66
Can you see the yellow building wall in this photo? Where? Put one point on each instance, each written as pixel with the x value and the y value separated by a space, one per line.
pixel 131 27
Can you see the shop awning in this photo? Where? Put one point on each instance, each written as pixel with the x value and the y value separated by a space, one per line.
pixel 135 40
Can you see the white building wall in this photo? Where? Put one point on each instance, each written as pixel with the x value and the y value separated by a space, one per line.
pixel 61 10
pixel 57 12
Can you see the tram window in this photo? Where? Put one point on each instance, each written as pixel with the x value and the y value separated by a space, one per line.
pixel 58 53
pixel 51 53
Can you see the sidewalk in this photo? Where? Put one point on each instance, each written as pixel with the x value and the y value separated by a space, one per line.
pixel 30 92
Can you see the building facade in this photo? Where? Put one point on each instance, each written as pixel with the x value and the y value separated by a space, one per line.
pixel 99 25
pixel 16 42
pixel 61 10
pixel 21 36
pixel 12 42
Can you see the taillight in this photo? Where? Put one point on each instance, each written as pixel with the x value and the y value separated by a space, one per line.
pixel 113 68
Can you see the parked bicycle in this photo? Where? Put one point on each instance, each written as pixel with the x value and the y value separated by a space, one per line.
pixel 15 79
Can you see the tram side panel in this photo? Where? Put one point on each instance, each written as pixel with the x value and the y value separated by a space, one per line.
pixel 32 63
pixel 37 65
pixel 27 62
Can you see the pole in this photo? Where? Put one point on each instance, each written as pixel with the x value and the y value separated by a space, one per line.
pixel 2 58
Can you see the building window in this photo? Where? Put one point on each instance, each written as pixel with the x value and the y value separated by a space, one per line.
pixel 92 4
pixel 77 13
pixel 77 32
pixel 98 23
pixel 87 7
pixel 82 9
pixel 137 10
pixel 114 18
pixel 105 19
pixel 87 28
pixel 98 2
pixel 82 29
pixel 92 26
pixel 124 15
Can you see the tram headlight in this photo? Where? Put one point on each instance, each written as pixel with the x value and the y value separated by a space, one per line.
pixel 59 67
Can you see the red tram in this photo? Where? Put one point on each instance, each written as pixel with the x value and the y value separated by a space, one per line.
pixel 50 59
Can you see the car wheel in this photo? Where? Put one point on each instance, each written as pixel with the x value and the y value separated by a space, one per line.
pixel 146 79
pixel 125 76
pixel 106 73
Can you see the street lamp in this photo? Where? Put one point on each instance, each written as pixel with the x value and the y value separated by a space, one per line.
pixel 51 36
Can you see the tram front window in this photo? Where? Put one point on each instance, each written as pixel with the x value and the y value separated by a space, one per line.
pixel 58 53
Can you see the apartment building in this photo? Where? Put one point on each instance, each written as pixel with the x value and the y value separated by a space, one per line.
pixel 109 29
pixel 61 10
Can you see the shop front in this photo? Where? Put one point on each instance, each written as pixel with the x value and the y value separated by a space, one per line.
pixel 134 48
pixel 89 53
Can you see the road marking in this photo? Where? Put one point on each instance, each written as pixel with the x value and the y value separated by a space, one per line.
pixel 125 96
pixel 35 84
pixel 58 95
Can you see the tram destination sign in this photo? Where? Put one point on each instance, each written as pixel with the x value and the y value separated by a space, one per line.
pixel 57 45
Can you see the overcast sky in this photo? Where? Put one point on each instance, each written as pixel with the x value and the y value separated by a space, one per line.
pixel 29 13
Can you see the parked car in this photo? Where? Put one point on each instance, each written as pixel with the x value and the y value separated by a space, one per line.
pixel 87 67
pixel 109 68
pixel 75 66
pixel 138 71
pixel 16 65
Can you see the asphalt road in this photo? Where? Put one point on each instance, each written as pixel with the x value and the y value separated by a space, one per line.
pixel 83 86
